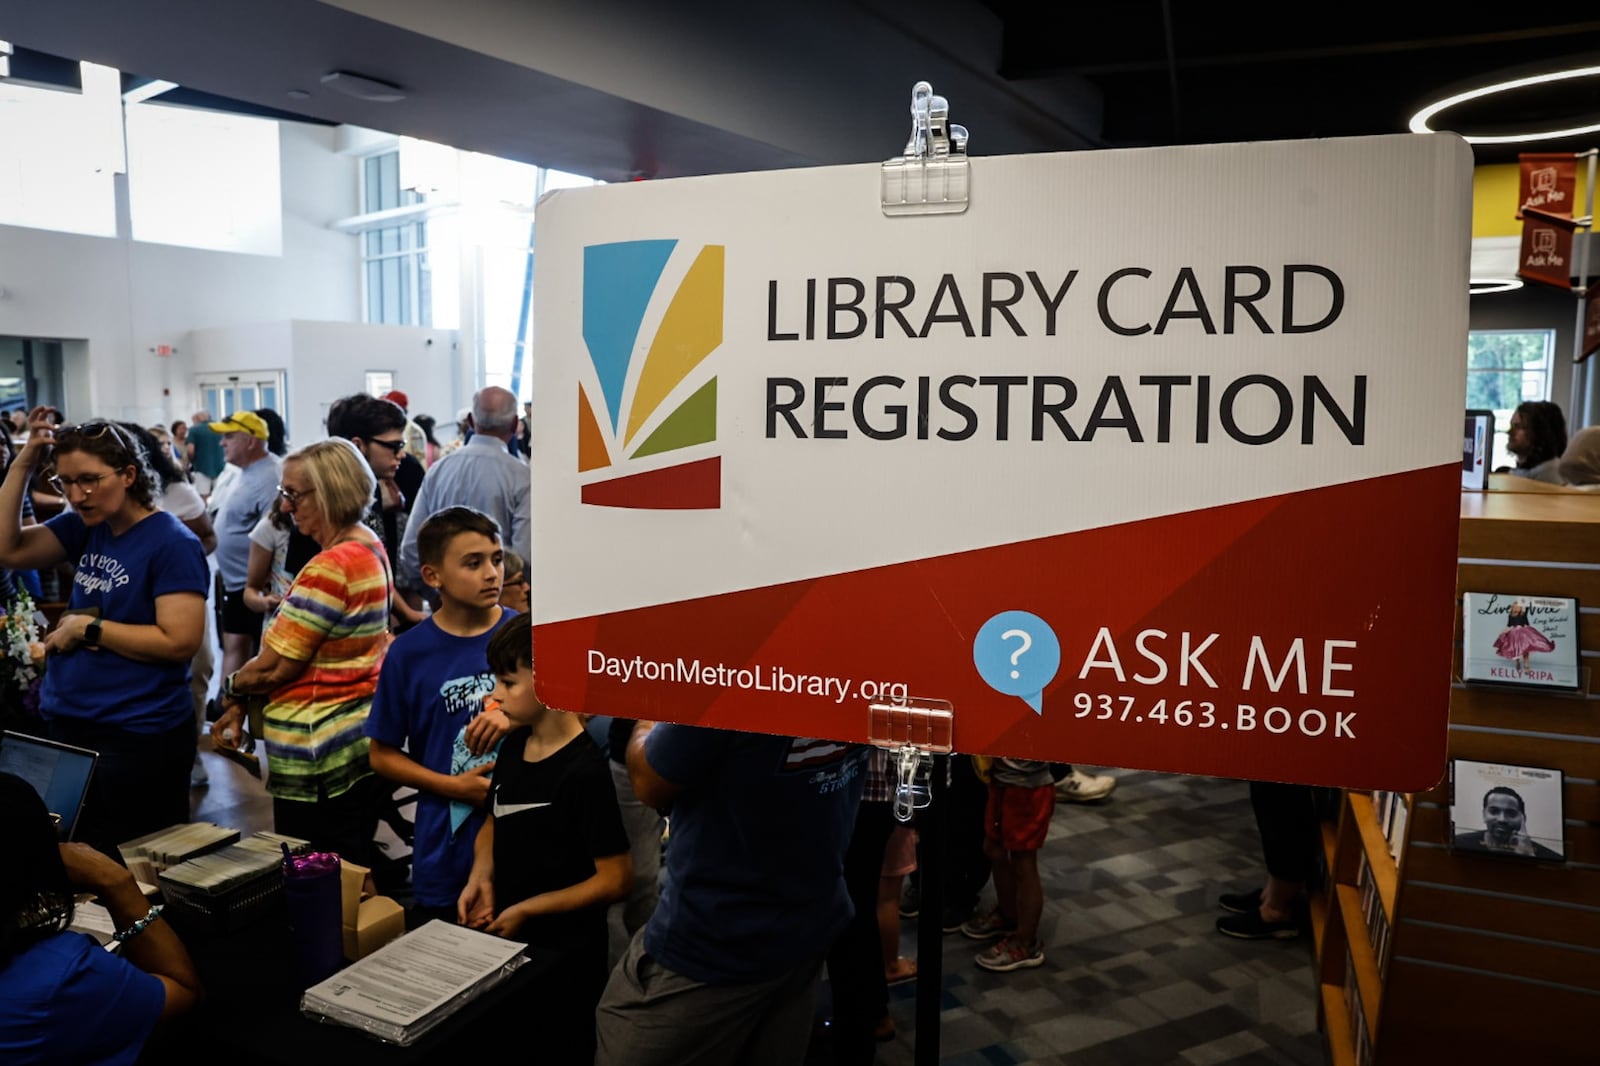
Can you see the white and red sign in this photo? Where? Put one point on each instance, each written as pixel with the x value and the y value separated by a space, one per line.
pixel 1148 459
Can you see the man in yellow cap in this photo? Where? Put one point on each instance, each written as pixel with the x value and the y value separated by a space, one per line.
pixel 244 444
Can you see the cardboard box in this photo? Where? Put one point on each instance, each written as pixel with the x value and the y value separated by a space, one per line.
pixel 379 920
pixel 351 877
pixel 369 922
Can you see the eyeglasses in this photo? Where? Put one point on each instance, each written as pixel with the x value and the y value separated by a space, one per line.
pixel 96 429
pixel 395 446
pixel 88 483
pixel 291 497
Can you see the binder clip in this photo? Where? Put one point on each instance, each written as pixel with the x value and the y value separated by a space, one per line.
pixel 913 731
pixel 933 176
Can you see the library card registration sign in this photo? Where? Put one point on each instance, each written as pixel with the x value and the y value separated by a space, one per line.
pixel 1148 459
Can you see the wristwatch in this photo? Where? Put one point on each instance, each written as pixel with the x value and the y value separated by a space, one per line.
pixel 91 633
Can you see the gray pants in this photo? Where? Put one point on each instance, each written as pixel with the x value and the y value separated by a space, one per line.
pixel 650 1016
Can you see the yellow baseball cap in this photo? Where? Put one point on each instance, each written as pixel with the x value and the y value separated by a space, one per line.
pixel 243 422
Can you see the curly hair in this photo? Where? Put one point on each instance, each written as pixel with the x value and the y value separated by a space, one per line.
pixel 161 462
pixel 117 448
pixel 1547 432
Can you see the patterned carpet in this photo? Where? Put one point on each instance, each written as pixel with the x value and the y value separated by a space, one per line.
pixel 1134 970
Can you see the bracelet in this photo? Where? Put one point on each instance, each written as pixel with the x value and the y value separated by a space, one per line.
pixel 227 686
pixel 125 935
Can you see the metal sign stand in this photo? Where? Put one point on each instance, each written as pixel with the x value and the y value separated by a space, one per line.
pixel 1577 407
pixel 932 176
pixel 919 733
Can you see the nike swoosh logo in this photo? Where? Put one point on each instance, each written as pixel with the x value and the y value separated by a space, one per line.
pixel 503 809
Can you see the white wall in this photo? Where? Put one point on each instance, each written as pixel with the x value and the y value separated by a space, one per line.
pixel 331 360
pixel 326 360
pixel 122 299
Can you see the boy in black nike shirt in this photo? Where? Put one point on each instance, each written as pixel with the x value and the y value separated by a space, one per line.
pixel 553 854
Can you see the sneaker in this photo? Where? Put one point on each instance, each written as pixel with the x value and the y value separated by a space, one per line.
pixel 1009 954
pixel 1252 926
pixel 198 778
pixel 953 918
pixel 987 926
pixel 1240 902
pixel 1079 787
pixel 910 901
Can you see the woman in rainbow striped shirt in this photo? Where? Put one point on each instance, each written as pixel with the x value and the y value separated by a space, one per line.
pixel 319 659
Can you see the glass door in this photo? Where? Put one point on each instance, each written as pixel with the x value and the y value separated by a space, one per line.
pixel 249 390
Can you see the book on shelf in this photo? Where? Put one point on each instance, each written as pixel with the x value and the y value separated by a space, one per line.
pixel 1522 641
pixel 1378 935
pixel 1352 994
pixel 1508 811
pixel 1368 887
pixel 1397 826
pixel 1357 1009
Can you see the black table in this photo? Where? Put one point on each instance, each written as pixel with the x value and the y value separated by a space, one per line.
pixel 251 1014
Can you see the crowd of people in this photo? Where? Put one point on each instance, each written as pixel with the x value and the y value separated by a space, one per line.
pixel 368 594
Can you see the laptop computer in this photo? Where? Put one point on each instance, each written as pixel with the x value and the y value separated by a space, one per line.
pixel 59 772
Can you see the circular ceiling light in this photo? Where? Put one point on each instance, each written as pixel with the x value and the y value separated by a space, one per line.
pixel 1419 121
pixel 1484 286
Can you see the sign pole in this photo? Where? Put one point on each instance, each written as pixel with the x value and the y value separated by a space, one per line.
pixel 930 922
pixel 919 734
pixel 1578 406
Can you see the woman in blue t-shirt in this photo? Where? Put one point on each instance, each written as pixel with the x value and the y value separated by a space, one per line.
pixel 117 675
pixel 63 998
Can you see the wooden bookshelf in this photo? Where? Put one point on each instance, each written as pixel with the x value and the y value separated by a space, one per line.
pixel 1487 959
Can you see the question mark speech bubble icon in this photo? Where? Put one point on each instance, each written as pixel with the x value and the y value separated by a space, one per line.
pixel 1026 643
pixel 1017 654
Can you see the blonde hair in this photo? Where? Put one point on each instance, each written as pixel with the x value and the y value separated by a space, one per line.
pixel 341 481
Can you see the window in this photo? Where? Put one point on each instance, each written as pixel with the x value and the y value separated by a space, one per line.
pixel 62 152
pixel 1506 368
pixel 397 275
pixel 204 179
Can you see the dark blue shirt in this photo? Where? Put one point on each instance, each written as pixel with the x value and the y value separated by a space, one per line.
pixel 755 871
pixel 120 577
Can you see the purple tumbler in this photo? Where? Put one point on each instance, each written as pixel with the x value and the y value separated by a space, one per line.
pixel 311 888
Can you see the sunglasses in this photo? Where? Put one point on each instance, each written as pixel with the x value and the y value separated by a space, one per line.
pixel 395 446
pixel 96 429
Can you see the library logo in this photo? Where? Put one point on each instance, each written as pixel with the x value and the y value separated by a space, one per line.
pixel 653 396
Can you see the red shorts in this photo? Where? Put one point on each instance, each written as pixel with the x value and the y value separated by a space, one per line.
pixel 1018 818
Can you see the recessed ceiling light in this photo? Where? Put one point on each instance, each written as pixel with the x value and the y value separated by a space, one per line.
pixel 1419 121
pixel 364 88
pixel 299 94
pixel 1484 286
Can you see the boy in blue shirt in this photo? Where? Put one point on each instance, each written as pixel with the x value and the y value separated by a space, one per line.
pixel 428 725
pixel 552 855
